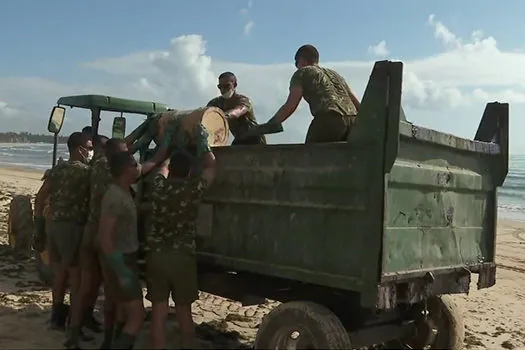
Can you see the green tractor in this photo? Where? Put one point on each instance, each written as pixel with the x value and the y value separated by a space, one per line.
pixel 20 218
pixel 157 118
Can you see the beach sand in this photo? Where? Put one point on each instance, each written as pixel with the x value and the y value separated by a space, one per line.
pixel 494 317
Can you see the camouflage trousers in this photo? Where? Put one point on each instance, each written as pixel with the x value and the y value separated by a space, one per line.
pixel 329 128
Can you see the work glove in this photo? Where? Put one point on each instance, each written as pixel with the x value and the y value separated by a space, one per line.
pixel 40 238
pixel 126 277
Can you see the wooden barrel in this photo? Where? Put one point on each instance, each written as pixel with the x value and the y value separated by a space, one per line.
pixel 212 118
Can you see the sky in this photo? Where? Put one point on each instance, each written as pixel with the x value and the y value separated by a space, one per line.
pixel 458 55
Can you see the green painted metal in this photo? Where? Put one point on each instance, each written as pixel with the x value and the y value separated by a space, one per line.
pixel 112 104
pixel 394 201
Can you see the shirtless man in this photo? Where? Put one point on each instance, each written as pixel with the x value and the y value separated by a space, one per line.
pixel 332 103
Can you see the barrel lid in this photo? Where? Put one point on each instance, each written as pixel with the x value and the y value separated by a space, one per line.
pixel 214 120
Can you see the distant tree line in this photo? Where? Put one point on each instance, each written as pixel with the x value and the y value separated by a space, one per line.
pixel 25 137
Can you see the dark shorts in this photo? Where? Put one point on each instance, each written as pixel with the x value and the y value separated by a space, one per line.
pixel 63 242
pixel 329 128
pixel 172 273
pixel 112 284
pixel 89 250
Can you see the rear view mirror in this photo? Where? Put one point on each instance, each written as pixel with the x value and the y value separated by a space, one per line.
pixel 56 119
pixel 119 128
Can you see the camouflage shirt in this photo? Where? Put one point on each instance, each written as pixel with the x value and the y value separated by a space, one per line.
pixel 174 205
pixel 100 179
pixel 69 191
pixel 325 91
pixel 239 125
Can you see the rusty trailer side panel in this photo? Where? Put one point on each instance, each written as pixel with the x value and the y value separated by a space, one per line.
pixel 271 214
pixel 441 203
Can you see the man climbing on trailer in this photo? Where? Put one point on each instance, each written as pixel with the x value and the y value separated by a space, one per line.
pixel 332 103
pixel 238 109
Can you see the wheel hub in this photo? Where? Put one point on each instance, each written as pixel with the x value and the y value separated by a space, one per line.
pixel 294 338
pixel 425 334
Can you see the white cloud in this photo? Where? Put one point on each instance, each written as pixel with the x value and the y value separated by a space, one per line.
pixel 245 12
pixel 447 91
pixel 379 49
pixel 248 28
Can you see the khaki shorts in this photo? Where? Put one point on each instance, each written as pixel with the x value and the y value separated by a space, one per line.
pixel 111 280
pixel 172 273
pixel 63 242
pixel 329 128
pixel 89 250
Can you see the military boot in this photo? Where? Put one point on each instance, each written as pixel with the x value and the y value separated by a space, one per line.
pixel 59 315
pixel 91 323
pixel 125 341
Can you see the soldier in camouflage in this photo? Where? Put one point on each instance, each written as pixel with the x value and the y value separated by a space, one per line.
pixel 238 109
pixel 171 266
pixel 91 277
pixel 118 239
pixel 332 103
pixel 67 186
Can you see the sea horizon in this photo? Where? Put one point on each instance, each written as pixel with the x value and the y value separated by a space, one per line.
pixel 38 156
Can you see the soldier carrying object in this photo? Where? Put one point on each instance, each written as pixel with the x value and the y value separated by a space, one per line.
pixel 171 266
pixel 171 142
pixel 67 186
pixel 332 103
pixel 119 244
pixel 238 109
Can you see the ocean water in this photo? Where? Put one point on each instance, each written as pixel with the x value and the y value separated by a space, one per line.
pixel 511 197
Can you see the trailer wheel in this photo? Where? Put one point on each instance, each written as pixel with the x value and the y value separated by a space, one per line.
pixel 443 328
pixel 20 225
pixel 301 325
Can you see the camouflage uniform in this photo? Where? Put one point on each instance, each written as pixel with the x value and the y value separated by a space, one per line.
pixel 119 203
pixel 100 179
pixel 241 125
pixel 328 95
pixel 171 264
pixel 68 205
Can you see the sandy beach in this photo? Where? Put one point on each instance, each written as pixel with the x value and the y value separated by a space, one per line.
pixel 494 317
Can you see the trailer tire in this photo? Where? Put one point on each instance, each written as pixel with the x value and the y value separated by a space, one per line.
pixel 453 334
pixel 448 321
pixel 20 226
pixel 284 326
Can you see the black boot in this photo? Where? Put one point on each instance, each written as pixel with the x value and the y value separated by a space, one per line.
pixel 59 315
pixel 118 330
pixel 73 338
pixel 125 341
pixel 108 339
pixel 91 323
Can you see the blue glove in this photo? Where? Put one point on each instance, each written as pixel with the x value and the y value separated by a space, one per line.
pixel 125 275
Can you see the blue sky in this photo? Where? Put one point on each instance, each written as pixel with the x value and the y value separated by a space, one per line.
pixel 50 38
pixel 55 41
